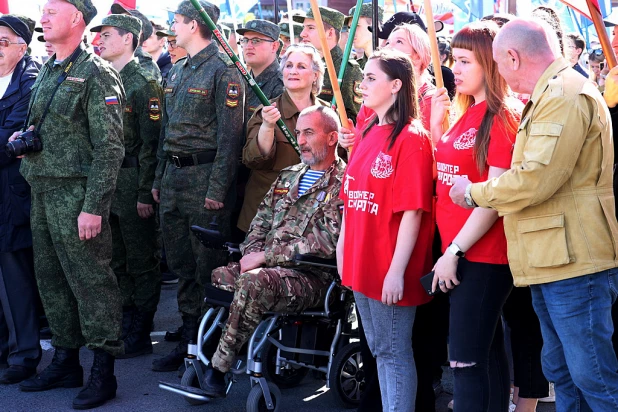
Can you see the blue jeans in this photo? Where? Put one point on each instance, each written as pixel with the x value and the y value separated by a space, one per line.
pixel 388 330
pixel 577 328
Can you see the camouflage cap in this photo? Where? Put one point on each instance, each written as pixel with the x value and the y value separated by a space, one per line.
pixel 165 33
pixel 128 23
pixel 285 29
pixel 265 27
pixel 367 11
pixel 86 7
pixel 331 16
pixel 147 28
pixel 186 9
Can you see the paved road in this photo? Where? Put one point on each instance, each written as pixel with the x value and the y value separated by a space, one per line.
pixel 138 386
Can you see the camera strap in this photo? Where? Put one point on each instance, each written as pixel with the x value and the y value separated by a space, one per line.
pixel 65 73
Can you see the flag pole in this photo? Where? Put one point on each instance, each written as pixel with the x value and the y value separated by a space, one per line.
pixel 348 45
pixel 435 53
pixel 606 45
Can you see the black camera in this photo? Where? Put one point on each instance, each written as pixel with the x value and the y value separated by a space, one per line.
pixel 26 142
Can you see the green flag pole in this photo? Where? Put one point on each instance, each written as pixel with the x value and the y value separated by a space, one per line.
pixel 348 45
pixel 243 71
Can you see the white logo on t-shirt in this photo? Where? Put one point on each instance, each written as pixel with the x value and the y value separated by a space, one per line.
pixel 346 184
pixel 382 167
pixel 466 140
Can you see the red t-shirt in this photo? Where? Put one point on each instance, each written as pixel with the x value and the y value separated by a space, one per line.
pixel 379 185
pixel 455 157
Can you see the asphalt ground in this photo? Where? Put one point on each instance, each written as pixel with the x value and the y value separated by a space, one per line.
pixel 138 385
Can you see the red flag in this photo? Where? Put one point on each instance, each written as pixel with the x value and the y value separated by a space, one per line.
pixel 581 6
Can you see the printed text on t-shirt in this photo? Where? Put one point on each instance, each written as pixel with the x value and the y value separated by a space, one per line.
pixel 447 173
pixel 363 201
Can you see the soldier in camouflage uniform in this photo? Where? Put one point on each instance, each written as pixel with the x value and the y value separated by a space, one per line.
pixel 262 58
pixel 144 59
pixel 134 226
pixel 288 222
pixel 201 136
pixel 286 35
pixel 73 179
pixel 363 39
pixel 350 86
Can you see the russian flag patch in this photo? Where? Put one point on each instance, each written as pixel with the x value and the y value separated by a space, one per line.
pixel 111 100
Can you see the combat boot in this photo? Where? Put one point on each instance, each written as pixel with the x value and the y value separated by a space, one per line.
pixel 128 312
pixel 101 386
pixel 64 371
pixel 176 357
pixel 138 342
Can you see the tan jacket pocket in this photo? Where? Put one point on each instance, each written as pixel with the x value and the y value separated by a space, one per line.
pixel 544 240
pixel 542 142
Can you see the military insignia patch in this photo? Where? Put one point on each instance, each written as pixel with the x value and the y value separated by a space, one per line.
pixel 154 109
pixel 328 92
pixel 281 191
pixel 233 91
pixel 169 89
pixel 201 92
pixel 110 100
pixel 128 109
pixel 173 77
pixel 76 79
pixel 252 108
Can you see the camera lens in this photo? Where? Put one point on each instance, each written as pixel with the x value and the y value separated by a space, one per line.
pixel 15 148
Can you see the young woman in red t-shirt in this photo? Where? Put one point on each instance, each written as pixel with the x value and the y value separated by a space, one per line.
pixel 474 264
pixel 385 242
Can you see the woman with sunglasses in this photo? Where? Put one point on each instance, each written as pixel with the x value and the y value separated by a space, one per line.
pixel 267 151
pixel 474 265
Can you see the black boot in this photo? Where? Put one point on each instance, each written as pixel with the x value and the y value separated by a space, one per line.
pixel 64 371
pixel 101 386
pixel 128 312
pixel 214 383
pixel 138 342
pixel 175 358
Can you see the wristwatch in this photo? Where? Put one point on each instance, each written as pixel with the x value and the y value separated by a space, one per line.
pixel 455 250
pixel 468 196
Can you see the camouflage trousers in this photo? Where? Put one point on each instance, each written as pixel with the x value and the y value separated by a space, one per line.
pixel 78 288
pixel 256 292
pixel 183 191
pixel 135 247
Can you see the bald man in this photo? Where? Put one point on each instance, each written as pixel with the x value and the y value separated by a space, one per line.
pixel 559 214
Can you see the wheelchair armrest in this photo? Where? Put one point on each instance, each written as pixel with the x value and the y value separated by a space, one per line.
pixel 212 239
pixel 313 260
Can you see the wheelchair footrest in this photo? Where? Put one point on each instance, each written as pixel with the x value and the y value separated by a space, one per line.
pixel 188 391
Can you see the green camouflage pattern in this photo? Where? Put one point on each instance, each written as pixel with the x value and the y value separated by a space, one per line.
pixel 330 16
pixel 82 135
pixel 265 27
pixel 271 83
pixel 367 11
pixel 86 7
pixel 145 60
pixel 256 292
pixel 285 29
pixel 146 28
pixel 78 289
pixel 350 86
pixel 204 100
pixel 128 23
pixel 185 8
pixel 135 241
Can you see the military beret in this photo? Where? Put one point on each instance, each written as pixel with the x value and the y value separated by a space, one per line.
pixel 285 29
pixel 121 21
pixel 17 26
pixel 265 27
pixel 367 11
pixel 86 7
pixel 331 16
pixel 186 9
pixel 147 28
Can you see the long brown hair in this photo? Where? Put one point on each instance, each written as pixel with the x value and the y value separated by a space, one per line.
pixel 478 38
pixel 397 65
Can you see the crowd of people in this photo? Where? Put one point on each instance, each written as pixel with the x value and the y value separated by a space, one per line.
pixel 497 187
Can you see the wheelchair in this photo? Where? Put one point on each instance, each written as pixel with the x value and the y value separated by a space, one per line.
pixel 284 347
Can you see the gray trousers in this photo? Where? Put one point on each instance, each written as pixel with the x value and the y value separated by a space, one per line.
pixel 19 321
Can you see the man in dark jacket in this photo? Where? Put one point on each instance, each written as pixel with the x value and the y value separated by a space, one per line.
pixel 19 328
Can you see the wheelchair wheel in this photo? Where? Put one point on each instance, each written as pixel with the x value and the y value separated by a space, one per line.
pixel 289 378
pixel 189 378
pixel 346 376
pixel 256 402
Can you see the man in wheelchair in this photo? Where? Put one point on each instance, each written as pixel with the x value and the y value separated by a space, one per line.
pixel 300 214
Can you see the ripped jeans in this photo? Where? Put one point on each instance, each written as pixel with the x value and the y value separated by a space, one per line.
pixel 477 338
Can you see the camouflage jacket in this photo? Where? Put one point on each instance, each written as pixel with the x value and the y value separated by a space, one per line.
pixel 286 225
pixel 142 124
pixel 350 86
pixel 271 83
pixel 82 133
pixel 145 60
pixel 203 110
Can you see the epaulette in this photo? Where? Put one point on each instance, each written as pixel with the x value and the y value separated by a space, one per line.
pixel 225 59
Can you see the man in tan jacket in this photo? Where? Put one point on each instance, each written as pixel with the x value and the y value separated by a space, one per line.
pixel 559 214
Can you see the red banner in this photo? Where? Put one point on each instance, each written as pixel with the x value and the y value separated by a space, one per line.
pixel 581 6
